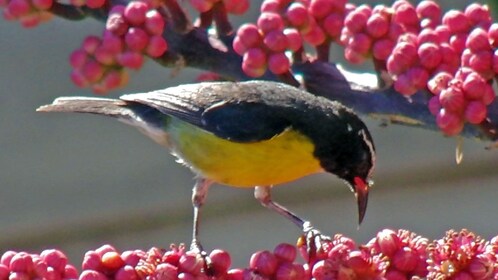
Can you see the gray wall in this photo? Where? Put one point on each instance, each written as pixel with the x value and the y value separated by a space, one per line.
pixel 75 182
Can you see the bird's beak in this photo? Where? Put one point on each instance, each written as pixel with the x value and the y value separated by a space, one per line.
pixel 361 188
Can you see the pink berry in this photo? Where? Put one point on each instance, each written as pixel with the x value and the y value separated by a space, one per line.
pixel 353 56
pixel 278 63
pixel 79 80
pixel 357 261
pixel 457 42
pixel 91 43
pixel 252 71
pixel 21 262
pixel 236 7
pixel 382 49
pixel 428 35
pixel 356 21
pixel 473 86
pixel 276 41
pixel 235 274
pixel 112 260
pixel 478 14
pixel 450 56
pixel 255 57
pixel 191 263
pixel 92 71
pixel 452 99
pixel 112 43
pixel 116 24
pixel 19 276
pixel 238 46
pixel 154 22
pixel 478 40
pixel 488 95
pixel 220 261
pixel 54 258
pixel 315 36
pixel 493 35
pixel 418 76
pixel 114 79
pixel 135 12
pixel 128 273
pixel 429 9
pixel 405 14
pixel 404 56
pixel 270 6
pixel 293 38
pixel 270 21
pixel 70 272
pixel 297 14
pixel 104 56
pixel 7 257
pixel 439 82
pixel 136 39
pixel 332 24
pixel 360 43
pixel 377 26
pixel 166 271
pixel 264 262
pixel 131 59
pixel 323 269
pixel 92 275
pixel 18 8
pixel 475 112
pixel 430 55
pixel 249 35
pixel 285 252
pixel 320 8
pixel 290 271
pixel 4 271
pixel 449 123
pixel 443 32
pixel 482 62
pixel 405 259
pixel 456 21
pixel 78 58
pixel 157 46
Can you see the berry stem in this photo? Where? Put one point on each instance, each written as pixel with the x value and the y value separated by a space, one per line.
pixel 223 26
pixel 180 20
pixel 205 19
pixel 323 50
pixel 68 12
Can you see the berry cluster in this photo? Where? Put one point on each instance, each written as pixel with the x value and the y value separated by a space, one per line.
pixel 236 7
pixel 30 13
pixel 50 264
pixel 462 255
pixel 405 250
pixel 340 258
pixel 132 31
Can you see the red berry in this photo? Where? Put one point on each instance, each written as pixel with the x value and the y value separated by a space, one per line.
pixel 255 57
pixel 54 258
pixel 112 260
pixel 276 41
pixel 429 9
pixel 131 59
pixel 70 272
pixel 382 49
pixel 439 82
pixel 405 259
pixel 235 274
pixel 443 32
pixel 157 46
pixel 493 35
pixel 482 62
pixel 270 6
pixel 128 273
pixel 78 79
pixel 220 261
pixel 78 58
pixel 320 8
pixel 270 21
pixel 449 123
pixel 264 262
pixel 332 24
pixel 21 262
pixel 356 21
pixel 92 275
pixel 249 35
pixel 488 95
pixel 456 21
pixel 42 4
pixel 19 276
pixel 323 269
pixel 452 99
pixel 95 4
pixel 238 46
pixel 473 86
pixel 278 63
pixel 4 271
pixel 478 40
pixel 360 43
pixel 434 105
pixel 457 42
pixel 478 14
pixel 112 43
pixel 135 12
pixel 404 85
pixel 405 14
pixel 7 257
pixel 377 26
pixel 104 56
pixel 202 5
pixel 430 55
pixel 191 263
pixel 91 43
pixel 475 112
pixel 353 56
pixel 285 252
pixel 166 271
pixel 154 22
pixel 92 71
pixel 297 14
pixel 290 271
pixel 18 8
pixel 252 71
pixel 428 35
pixel 136 39
pixel 293 38
pixel 315 36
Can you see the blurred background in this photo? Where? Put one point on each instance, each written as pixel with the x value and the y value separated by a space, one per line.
pixel 75 182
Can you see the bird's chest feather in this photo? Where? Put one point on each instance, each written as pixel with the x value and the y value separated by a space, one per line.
pixel 283 158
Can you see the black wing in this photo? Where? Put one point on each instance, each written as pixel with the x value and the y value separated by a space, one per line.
pixel 227 115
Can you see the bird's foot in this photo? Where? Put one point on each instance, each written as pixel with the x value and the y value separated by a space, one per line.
pixel 313 242
pixel 197 248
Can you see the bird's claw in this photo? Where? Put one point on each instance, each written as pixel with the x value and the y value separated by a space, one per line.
pixel 197 248
pixel 315 241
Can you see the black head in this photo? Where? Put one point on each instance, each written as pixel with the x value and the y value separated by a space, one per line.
pixel 345 148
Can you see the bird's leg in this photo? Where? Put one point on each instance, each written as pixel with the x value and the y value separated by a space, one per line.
pixel 313 237
pixel 199 194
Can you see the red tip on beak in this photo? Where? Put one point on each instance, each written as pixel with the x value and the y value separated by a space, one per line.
pixel 361 189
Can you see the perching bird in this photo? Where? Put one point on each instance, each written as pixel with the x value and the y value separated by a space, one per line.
pixel 248 134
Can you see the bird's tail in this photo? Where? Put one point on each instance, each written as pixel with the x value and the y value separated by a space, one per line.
pixel 147 119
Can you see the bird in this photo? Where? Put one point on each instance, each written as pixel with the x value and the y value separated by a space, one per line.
pixel 253 134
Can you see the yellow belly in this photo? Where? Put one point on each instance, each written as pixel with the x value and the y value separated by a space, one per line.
pixel 281 159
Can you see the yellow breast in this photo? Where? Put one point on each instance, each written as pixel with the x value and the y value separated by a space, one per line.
pixel 283 158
